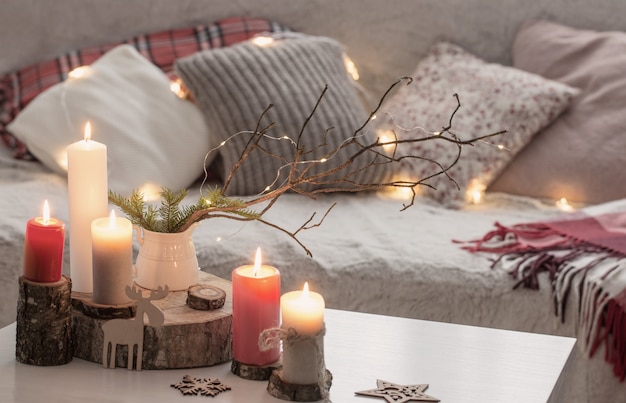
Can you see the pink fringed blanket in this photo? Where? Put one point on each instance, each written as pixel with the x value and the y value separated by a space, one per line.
pixel 583 252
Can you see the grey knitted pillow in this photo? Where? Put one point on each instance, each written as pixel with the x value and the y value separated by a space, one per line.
pixel 234 85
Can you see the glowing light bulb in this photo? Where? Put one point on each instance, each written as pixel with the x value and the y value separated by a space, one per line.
pixel 78 72
pixel 564 205
pixel 387 136
pixel 351 67
pixel 178 88
pixel 263 41
pixel 475 191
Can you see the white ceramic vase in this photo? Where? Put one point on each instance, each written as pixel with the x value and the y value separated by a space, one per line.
pixel 166 259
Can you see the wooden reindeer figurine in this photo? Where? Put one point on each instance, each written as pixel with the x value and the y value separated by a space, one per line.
pixel 130 331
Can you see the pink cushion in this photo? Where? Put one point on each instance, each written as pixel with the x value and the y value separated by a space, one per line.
pixel 19 88
pixel 582 155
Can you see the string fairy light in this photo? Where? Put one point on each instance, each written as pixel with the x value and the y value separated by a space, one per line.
pixel 263 41
pixel 387 138
pixel 475 191
pixel 563 205
pixel 277 177
pixel 351 67
pixel 78 72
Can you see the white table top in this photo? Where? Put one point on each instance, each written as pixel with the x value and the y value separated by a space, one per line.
pixel 460 363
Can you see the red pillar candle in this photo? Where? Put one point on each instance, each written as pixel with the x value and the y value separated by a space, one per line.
pixel 43 248
pixel 256 307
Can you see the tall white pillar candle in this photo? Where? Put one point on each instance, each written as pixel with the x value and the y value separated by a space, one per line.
pixel 88 200
pixel 112 246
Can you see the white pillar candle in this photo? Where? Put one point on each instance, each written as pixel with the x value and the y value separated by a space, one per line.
pixel 88 199
pixel 112 259
pixel 303 356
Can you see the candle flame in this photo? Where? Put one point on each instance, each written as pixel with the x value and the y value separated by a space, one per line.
pixel 112 220
pixel 305 290
pixel 46 212
pixel 88 131
pixel 257 262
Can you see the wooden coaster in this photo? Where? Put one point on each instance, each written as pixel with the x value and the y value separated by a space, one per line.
pixel 205 297
pixel 298 393
pixel 254 372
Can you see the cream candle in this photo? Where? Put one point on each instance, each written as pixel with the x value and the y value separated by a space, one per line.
pixel 303 311
pixel 88 199
pixel 112 250
pixel 256 307
pixel 303 349
pixel 43 248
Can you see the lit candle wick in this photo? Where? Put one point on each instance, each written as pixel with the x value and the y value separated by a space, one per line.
pixel 257 262
pixel 305 290
pixel 88 131
pixel 46 213
pixel 112 220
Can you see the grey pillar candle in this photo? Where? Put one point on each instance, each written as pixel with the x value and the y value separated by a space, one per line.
pixel 112 259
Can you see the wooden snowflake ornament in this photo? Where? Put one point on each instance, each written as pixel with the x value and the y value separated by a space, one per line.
pixel 394 393
pixel 200 386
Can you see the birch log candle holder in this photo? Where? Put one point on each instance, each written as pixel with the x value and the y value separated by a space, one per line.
pixel 44 322
pixel 303 376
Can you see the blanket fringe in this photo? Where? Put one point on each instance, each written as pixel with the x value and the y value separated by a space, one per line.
pixel 611 331
pixel 527 250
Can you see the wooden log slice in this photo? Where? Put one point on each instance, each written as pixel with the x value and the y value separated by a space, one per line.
pixel 85 304
pixel 205 297
pixel 188 337
pixel 254 372
pixel 298 393
pixel 44 316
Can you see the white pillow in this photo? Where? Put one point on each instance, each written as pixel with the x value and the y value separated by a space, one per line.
pixel 153 137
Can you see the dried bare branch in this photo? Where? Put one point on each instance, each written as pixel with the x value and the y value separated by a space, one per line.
pixel 305 177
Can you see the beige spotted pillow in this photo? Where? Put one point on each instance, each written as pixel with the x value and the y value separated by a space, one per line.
pixel 493 97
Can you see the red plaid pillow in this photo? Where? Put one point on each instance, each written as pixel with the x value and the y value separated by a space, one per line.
pixel 19 87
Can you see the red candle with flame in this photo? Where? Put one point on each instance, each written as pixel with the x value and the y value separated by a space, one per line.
pixel 43 248
pixel 256 307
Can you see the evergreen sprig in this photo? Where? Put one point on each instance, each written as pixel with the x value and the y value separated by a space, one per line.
pixel 171 216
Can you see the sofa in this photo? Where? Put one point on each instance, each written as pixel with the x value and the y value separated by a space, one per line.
pixel 370 253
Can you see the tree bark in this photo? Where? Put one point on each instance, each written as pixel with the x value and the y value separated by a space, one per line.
pixel 44 322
